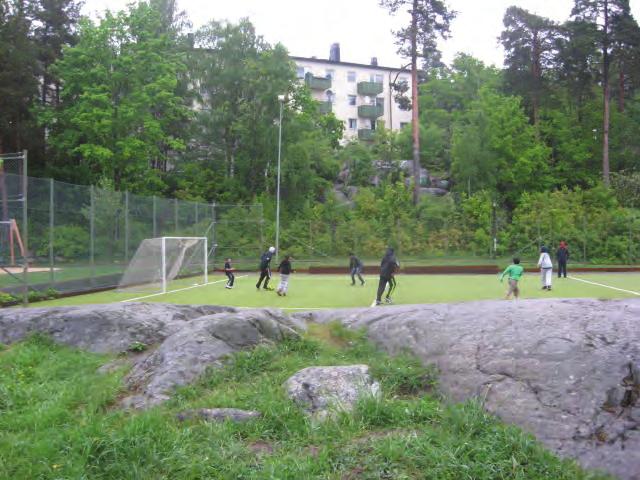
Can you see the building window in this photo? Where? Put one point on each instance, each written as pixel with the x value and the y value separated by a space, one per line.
pixel 353 123
pixel 403 124
pixel 330 74
pixel 352 99
pixel 300 72
pixel 379 101
pixel 351 76
pixel 376 78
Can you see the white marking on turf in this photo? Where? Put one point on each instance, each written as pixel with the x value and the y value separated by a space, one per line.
pixel 603 285
pixel 373 304
pixel 178 290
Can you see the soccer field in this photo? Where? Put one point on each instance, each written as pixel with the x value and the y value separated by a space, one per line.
pixel 334 291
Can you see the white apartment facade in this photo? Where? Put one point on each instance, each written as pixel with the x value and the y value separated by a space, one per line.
pixel 360 95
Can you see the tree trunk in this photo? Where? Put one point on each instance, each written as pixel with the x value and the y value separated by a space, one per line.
pixel 621 89
pixel 605 91
pixel 536 70
pixel 415 127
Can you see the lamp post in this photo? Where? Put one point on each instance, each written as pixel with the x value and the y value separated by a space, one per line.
pixel 281 100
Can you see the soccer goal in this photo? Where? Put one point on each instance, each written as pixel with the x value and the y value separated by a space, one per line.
pixel 166 263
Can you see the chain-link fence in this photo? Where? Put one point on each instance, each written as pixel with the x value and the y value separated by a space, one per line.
pixel 79 238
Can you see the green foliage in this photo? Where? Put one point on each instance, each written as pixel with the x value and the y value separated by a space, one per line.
pixel 70 242
pixel 7 299
pixel 137 347
pixel 120 114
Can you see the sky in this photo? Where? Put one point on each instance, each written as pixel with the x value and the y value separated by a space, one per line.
pixel 361 27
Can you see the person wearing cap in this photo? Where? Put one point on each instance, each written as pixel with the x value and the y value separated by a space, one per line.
pixel 265 269
pixel 562 255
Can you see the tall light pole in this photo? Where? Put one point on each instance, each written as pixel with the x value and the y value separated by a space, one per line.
pixel 281 100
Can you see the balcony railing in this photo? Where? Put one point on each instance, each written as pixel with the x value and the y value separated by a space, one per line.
pixel 325 107
pixel 366 134
pixel 317 83
pixel 370 89
pixel 370 111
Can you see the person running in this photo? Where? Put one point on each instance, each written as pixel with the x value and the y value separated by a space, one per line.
pixel 265 268
pixel 387 267
pixel 355 266
pixel 562 255
pixel 228 271
pixel 392 284
pixel 546 268
pixel 515 272
pixel 285 270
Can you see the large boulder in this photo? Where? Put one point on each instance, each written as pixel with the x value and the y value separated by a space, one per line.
pixel 202 343
pixel 565 370
pixel 321 391
pixel 180 341
pixel 111 328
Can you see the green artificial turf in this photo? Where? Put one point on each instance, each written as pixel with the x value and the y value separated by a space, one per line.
pixel 59 419
pixel 335 291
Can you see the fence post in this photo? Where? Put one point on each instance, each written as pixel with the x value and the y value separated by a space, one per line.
pixel 175 215
pixel 196 222
pixel 126 225
pixel 629 241
pixel 584 239
pixel 25 231
pixel 214 246
pixel 92 230
pixel 155 211
pixel 51 235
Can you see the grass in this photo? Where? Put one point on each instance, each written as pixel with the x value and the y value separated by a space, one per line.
pixel 333 291
pixel 63 273
pixel 58 421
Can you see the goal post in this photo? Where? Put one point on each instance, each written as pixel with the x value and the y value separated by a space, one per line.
pixel 163 263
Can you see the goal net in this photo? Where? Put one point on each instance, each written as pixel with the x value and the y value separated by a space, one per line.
pixel 166 263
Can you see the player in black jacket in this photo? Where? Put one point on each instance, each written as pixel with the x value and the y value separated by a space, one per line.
pixel 265 268
pixel 355 267
pixel 285 270
pixel 228 271
pixel 387 269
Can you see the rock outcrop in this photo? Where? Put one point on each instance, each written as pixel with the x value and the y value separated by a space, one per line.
pixel 181 341
pixel 219 415
pixel 321 391
pixel 565 370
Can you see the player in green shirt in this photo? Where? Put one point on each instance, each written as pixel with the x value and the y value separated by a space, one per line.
pixel 515 272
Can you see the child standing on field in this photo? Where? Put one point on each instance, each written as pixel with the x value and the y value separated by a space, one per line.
pixel 515 272
pixel 285 270
pixel 228 271
pixel 546 268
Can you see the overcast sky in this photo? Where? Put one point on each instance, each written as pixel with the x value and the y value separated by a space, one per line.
pixel 363 29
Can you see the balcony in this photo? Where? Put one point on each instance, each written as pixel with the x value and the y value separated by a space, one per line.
pixel 317 83
pixel 366 134
pixel 370 89
pixel 370 111
pixel 324 107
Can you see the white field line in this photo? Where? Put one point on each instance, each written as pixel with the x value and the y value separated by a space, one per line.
pixel 178 290
pixel 373 304
pixel 603 285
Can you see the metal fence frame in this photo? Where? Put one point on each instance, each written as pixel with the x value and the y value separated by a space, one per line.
pixel 92 232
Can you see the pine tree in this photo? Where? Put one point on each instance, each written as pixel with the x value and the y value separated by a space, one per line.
pixel 430 19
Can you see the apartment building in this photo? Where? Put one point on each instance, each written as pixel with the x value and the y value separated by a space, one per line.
pixel 360 95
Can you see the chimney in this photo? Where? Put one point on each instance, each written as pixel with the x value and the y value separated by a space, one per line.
pixel 374 61
pixel 334 53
